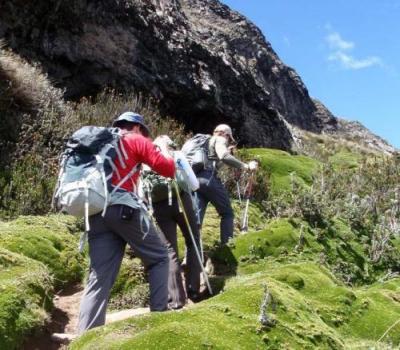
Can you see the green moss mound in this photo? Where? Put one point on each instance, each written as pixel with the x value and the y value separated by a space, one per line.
pixel 281 167
pixel 308 307
pixel 280 237
pixel 130 289
pixel 322 313
pixel 48 240
pixel 25 295
pixel 336 246
pixel 210 232
pixel 345 159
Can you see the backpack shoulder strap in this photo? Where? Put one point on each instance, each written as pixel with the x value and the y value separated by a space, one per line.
pixel 135 169
pixel 210 146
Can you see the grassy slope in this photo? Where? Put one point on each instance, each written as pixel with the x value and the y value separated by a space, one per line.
pixel 311 307
pixel 37 254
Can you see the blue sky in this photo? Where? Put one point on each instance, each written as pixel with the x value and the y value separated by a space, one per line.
pixel 346 52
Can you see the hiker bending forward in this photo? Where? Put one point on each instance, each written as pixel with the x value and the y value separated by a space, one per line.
pixel 211 187
pixel 169 215
pixel 124 222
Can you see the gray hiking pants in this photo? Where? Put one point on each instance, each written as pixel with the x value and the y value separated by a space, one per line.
pixel 168 217
pixel 212 190
pixel 107 240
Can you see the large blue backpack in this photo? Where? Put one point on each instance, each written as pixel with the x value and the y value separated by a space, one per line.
pixel 86 168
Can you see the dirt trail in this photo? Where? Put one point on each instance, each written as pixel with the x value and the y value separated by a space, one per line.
pixel 64 319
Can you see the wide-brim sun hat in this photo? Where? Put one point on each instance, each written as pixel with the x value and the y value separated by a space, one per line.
pixel 165 139
pixel 132 117
pixel 226 129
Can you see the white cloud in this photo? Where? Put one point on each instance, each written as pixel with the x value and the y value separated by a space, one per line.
pixel 340 52
pixel 336 42
pixel 349 62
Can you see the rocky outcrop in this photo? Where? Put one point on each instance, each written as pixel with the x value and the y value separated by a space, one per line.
pixel 355 131
pixel 327 119
pixel 203 62
pixel 350 130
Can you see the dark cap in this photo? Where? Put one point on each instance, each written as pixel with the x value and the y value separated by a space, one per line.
pixel 132 117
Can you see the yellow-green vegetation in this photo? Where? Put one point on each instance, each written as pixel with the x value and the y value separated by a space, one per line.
pixel 325 146
pixel 335 246
pixel 25 296
pixel 345 159
pixel 308 307
pixel 324 264
pixel 48 240
pixel 319 263
pixel 282 168
pixel 37 256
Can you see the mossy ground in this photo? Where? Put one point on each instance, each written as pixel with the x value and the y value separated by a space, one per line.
pixel 282 167
pixel 25 296
pixel 310 306
pixel 37 256
pixel 130 290
pixel 49 240
pixel 323 286
pixel 319 277
pixel 345 159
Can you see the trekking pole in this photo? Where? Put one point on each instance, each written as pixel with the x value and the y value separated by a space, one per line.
pixel 238 176
pixel 238 191
pixel 192 238
pixel 249 188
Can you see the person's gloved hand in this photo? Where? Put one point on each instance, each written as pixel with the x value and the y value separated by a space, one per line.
pixel 252 165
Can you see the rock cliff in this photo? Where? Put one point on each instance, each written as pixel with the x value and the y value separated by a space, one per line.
pixel 203 62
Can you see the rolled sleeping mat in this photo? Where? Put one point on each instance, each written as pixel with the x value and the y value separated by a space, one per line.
pixel 184 172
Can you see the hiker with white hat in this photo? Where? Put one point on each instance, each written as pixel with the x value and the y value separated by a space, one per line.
pixel 211 187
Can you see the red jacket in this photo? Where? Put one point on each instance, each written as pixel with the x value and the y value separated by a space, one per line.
pixel 141 150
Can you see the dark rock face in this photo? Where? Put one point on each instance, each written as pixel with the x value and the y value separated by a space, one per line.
pixel 205 63
pixel 327 119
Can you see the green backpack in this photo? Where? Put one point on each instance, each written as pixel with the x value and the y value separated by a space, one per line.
pixel 157 188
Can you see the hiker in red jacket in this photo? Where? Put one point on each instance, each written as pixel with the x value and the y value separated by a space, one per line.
pixel 126 221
